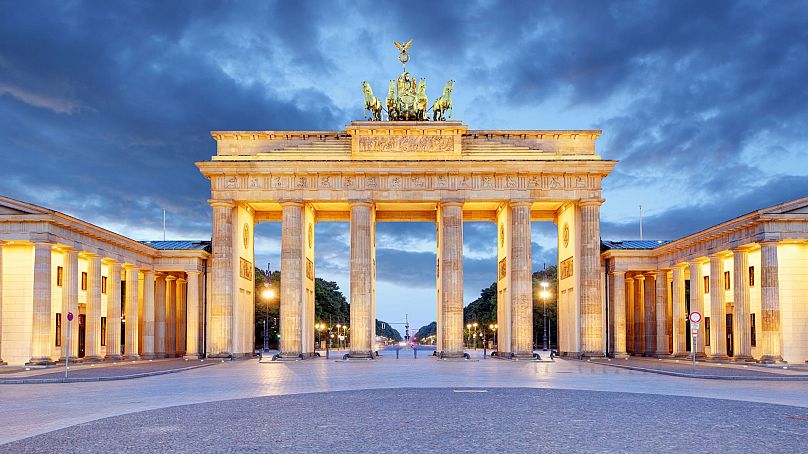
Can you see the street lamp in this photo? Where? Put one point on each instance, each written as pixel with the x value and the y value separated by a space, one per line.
pixel 475 334
pixel 544 295
pixel 267 294
pixel 468 335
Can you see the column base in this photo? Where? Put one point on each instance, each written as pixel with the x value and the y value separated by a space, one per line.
pixel 718 358
pixel 190 357
pixel 40 362
pixel 131 357
pixel 681 355
pixel 592 355
pixel 620 355
pixel 159 355
pixel 113 358
pixel 771 359
pixel 148 356
pixel 743 359
pixel 92 359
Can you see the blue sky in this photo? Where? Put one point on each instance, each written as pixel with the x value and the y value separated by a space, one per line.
pixel 105 107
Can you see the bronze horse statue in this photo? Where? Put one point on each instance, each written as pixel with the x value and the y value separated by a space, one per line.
pixel 443 103
pixel 372 103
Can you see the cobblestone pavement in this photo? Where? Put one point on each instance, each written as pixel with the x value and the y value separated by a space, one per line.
pixel 101 370
pixel 713 370
pixel 437 420
pixel 29 410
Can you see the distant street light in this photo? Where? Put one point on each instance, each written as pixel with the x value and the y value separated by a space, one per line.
pixel 544 295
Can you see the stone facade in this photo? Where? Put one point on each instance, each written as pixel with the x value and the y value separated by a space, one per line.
pixel 438 172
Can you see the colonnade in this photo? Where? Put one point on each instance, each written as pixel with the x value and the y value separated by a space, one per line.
pixel 649 308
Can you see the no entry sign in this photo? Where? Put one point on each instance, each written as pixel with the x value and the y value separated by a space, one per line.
pixel 695 317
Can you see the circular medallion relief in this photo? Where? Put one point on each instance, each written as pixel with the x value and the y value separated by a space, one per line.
pixel 311 236
pixel 246 235
pixel 566 234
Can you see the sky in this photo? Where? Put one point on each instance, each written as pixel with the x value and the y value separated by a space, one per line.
pixel 105 107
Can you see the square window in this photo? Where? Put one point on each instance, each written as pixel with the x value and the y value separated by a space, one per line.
pixel 103 331
pixel 707 331
pixel 753 330
pixel 59 272
pixel 706 284
pixel 726 280
pixel 751 276
pixel 83 280
pixel 103 284
pixel 58 329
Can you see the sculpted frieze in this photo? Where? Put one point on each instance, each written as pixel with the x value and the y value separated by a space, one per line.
pixel 405 144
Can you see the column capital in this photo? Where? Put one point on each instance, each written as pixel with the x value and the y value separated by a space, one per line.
pixel 521 203
pixel 741 249
pixel 629 279
pixel 652 273
pixel 193 273
pixel 147 271
pixel 680 266
pixel 221 203
pixel 171 278
pixel 129 266
pixel 451 202
pixel 716 256
pixel 158 274
pixel 181 280
pixel 591 202
pixel 616 273
pixel 361 202
pixel 291 203
pixel 639 277
pixel 768 242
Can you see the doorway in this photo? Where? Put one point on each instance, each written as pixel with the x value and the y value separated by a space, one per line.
pixel 82 333
pixel 730 349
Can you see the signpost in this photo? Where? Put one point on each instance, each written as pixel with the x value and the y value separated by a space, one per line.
pixel 695 318
pixel 67 346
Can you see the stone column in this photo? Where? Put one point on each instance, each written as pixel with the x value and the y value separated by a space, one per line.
pixel 521 286
pixel 113 310
pixel 292 275
pixel 2 363
pixel 160 315
pixel 171 316
pixel 639 314
pixel 662 314
pixel 70 302
pixel 618 305
pixel 148 334
pixel 649 322
pixel 770 304
pixel 222 292
pixel 362 322
pixel 629 315
pixel 718 310
pixel 192 334
pixel 450 223
pixel 679 313
pixel 40 336
pixel 181 325
pixel 592 333
pixel 130 346
pixel 740 320
pixel 93 328
pixel 697 305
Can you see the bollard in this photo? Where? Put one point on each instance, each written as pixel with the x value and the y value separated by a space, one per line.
pixel 415 352
pixel 485 351
pixel 397 350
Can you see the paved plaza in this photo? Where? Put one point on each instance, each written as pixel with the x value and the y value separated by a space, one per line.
pixel 406 404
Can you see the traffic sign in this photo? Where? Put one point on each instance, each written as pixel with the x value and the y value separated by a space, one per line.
pixel 69 316
pixel 695 326
pixel 695 317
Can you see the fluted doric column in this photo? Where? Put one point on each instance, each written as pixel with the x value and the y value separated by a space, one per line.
pixel 592 333
pixel 2 363
pixel 521 286
pixel 697 305
pixel 662 314
pixel 222 293
pixel 450 244
pixel 741 318
pixel 192 334
pixel 292 275
pixel 629 315
pixel 40 336
pixel 618 305
pixel 160 315
pixel 179 348
pixel 639 314
pixel 679 312
pixel 113 310
pixel 93 320
pixel 147 337
pixel 362 317
pixel 171 316
pixel 131 346
pixel 718 309
pixel 649 322
pixel 70 303
pixel 770 304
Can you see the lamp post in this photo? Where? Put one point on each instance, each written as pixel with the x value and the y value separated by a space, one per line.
pixel 267 294
pixel 475 334
pixel 544 294
pixel 493 328
pixel 468 335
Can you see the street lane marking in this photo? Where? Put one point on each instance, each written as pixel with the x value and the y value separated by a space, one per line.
pixel 469 391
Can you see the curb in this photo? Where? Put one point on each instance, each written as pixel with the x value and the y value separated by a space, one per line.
pixel 26 381
pixel 711 377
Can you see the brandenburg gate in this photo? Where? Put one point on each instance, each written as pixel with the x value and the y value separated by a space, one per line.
pixel 399 170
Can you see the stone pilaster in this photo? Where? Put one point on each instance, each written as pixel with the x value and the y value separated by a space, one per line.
pixel 450 224
pixel 639 314
pixel 649 322
pixel 40 336
pixel 70 303
pixel 130 346
pixel 192 350
pixel 679 312
pixel 362 318
pixel 662 314
pixel 697 305
pixel 181 325
pixel 2 363
pixel 718 310
pixel 93 311
pixel 521 285
pixel 592 333
pixel 147 337
pixel 160 315
pixel 618 305
pixel 630 315
pixel 741 318
pixel 171 316
pixel 113 310
pixel 220 337
pixel 293 297
pixel 770 304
